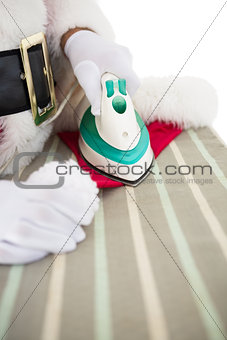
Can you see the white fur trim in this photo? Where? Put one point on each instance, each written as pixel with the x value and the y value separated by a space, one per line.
pixel 22 135
pixel 20 19
pixel 190 102
pixel 66 14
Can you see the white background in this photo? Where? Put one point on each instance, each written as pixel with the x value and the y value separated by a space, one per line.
pixel 161 34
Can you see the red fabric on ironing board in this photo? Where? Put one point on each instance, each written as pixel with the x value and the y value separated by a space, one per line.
pixel 161 135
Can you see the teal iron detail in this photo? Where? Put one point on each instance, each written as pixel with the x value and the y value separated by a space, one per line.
pixel 110 88
pixel 92 138
pixel 122 86
pixel 119 104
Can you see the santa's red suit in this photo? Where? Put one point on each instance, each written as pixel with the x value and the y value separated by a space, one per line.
pixel 36 228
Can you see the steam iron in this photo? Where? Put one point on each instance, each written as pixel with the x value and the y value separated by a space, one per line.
pixel 116 143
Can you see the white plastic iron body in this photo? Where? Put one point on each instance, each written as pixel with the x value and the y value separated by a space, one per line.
pixel 116 143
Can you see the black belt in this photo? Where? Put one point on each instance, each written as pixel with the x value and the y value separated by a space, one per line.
pixel 14 92
pixel 14 96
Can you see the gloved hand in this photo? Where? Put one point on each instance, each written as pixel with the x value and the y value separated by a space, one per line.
pixel 91 56
pixel 35 222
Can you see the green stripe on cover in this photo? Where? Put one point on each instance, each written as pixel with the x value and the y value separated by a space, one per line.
pixel 156 322
pixel 8 298
pixel 53 312
pixel 210 160
pixel 205 241
pixel 203 204
pixel 103 324
pixel 189 266
pixel 128 313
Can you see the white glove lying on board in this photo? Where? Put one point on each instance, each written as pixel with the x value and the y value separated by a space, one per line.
pixel 35 222
pixel 91 56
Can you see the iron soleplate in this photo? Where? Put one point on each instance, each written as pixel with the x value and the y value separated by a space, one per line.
pixel 117 179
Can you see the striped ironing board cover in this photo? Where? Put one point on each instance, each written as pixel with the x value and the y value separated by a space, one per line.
pixel 153 266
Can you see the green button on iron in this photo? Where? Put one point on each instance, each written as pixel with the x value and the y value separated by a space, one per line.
pixel 110 88
pixel 119 104
pixel 122 86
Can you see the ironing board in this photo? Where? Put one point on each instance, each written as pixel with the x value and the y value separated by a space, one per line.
pixel 153 266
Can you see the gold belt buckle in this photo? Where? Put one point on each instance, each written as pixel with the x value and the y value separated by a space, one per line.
pixel 51 109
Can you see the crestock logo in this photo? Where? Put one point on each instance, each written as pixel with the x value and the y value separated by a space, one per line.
pixel 23 185
pixel 185 170
pixel 120 170
pixel 63 169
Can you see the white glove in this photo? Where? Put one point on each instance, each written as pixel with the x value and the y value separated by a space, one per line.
pixel 91 56
pixel 35 222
